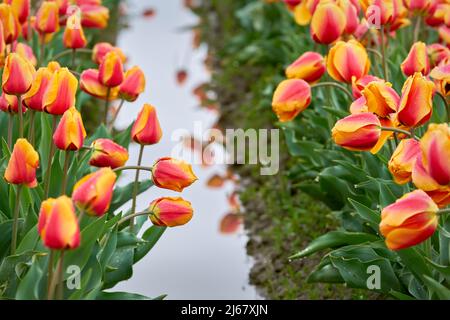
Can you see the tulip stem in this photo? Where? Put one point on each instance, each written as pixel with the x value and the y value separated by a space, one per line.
pixel 60 291
pixel 384 55
pixel 16 221
pixel 446 104
pixel 417 29
pixel 105 116
pixel 67 52
pixel 443 211
pixel 111 124
pixel 20 111
pixel 135 189
pixel 132 216
pixel 31 128
pixel 133 168
pixel 10 130
pixel 48 174
pixel 65 172
pixel 51 262
pixel 333 84
pixel 42 52
pixel 74 54
pixel 409 134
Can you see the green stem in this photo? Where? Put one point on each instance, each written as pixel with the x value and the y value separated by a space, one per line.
pixel 105 116
pixel 31 127
pixel 48 173
pixel 67 52
pixel 335 85
pixel 16 221
pixel 446 104
pixel 65 172
pixel 384 55
pixel 133 168
pixel 74 54
pixel 10 130
pixel 42 52
pixel 444 211
pixel 135 189
pixel 409 134
pixel 111 124
pixel 20 111
pixel 417 29
pixel 51 262
pixel 60 291
pixel 132 216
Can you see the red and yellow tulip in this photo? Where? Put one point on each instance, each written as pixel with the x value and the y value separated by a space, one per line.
pixel 101 49
pixel 111 70
pixel 107 153
pixel 70 133
pixel 33 99
pixel 146 129
pixel 327 23
pixel 173 174
pixel 403 160
pixel 10 22
pixel 47 18
pixel 94 192
pixel 290 98
pixel 18 75
pixel 74 37
pixel 170 212
pixel 417 60
pixel 435 146
pixel 381 99
pixel 90 84
pixel 133 84
pixel 10 104
pixel 441 76
pixel 94 16
pixel 409 221
pixel 60 93
pixel 310 67
pixel 22 165
pixel 21 8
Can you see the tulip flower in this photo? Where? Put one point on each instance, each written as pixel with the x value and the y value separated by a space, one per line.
pixel 357 132
pixel 403 160
pixel 441 76
pixel 291 4
pixel 437 53
pixel 302 14
pixel 417 5
pixel 90 84
pixel 380 12
pixel 359 106
pixel 73 37
pixel 18 75
pixel 348 61
pixel 11 25
pixel 444 34
pixel 422 180
pixel 2 47
pixel 60 93
pixel 351 15
pixel 381 99
pixel 416 104
pixel 170 212
pixel 33 99
pixel 70 133
pixel 358 85
pixel 409 221
pixel 435 145
pixel 58 224
pixel 94 16
pixel 111 70
pixel 25 52
pixel 107 153
pixel 133 84
pixel 310 67
pixel 328 23
pixel 9 104
pixel 101 49
pixel 146 129
pixel 93 193
pixel 417 60
pixel 173 174
pixel 22 165
pixel 47 18
pixel 21 8
pixel 290 98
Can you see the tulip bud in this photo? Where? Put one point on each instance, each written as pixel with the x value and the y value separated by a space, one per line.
pixel 146 129
pixel 170 212
pixel 11 25
pixel 302 14
pixel 409 221
pixel 17 75
pixel 347 61
pixel 2 47
pixel 403 160
pixel 416 103
pixel 60 93
pixel 22 165
pixel 351 15
pixel 107 153
pixel 70 133
pixel 21 8
pixel 417 5
pixel 47 18
pixel 380 12
pixel 90 84
pixel 437 53
pixel 58 224
pixel 358 85
pixel 33 99
pixel 111 70
pixel 9 104
pixel 93 193
pixel 25 52
pixel 173 174
pixel 435 145
pixel 94 16
pixel 290 98
pixel 422 180
pixel 441 76
pixel 133 84
pixel 381 99
pixel 328 23
pixel 310 67
pixel 101 49
pixel 357 132
pixel 417 60
pixel 444 34
pixel 73 37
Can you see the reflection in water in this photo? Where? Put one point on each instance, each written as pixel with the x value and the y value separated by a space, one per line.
pixel 196 261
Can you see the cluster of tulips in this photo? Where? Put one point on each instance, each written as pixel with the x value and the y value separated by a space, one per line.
pixel 380 116
pixel 51 90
